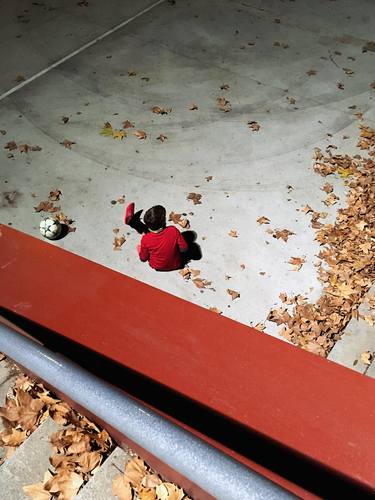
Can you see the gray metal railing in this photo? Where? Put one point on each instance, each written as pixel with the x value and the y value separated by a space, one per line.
pixel 213 471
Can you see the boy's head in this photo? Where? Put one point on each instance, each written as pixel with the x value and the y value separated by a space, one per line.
pixel 155 218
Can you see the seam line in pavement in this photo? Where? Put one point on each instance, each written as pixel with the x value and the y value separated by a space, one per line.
pixel 77 51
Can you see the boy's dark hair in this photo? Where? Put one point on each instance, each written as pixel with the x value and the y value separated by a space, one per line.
pixel 155 217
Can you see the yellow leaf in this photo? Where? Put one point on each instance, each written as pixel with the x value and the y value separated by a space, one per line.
pixel 366 357
pixel 169 491
pixel 344 172
pixel 107 130
pixel 119 134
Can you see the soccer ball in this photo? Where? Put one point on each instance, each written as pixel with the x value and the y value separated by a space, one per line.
pixel 50 228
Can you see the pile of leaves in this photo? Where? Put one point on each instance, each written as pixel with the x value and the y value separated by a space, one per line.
pixel 141 482
pixel 346 260
pixel 50 207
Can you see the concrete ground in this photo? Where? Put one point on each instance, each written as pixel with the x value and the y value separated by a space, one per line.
pixel 182 53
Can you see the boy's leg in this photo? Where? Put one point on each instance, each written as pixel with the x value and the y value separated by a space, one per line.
pixel 129 213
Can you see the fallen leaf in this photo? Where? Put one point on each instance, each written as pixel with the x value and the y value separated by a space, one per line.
pixel 185 273
pixel 127 124
pixel 151 481
pixel 46 206
pixel 65 119
pixel 263 220
pixel 215 310
pixel 223 104
pixel 3 132
pixel 297 262
pixel 37 492
pixel 36 148
pixel 169 491
pixel 178 219
pixel 224 86
pixel 348 71
pixel 119 134
pixel 195 198
pixel 132 72
pixel 11 146
pixel 201 283
pixel 193 107
pixel 254 126
pixel 20 78
pixel 242 266
pixel 331 199
pixel 311 72
pixel 327 188
pixel 162 138
pixel 23 148
pixel 233 293
pixel 260 327
pixel 160 111
pixel 367 357
pixel 67 144
pixel 141 134
pixel 209 178
pixel 233 233
pixel 340 85
pixel 135 470
pixel 283 234
pixel 12 437
pixel 106 130
pixel 54 195
pixel 118 242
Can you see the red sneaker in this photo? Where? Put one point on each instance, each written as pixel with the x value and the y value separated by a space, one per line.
pixel 129 213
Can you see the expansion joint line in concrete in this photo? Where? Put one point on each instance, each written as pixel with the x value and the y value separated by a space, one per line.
pixel 79 50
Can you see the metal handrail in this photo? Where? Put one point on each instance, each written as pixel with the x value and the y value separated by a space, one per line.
pixel 216 473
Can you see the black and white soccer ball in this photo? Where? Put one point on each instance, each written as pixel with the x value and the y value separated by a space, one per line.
pixel 50 228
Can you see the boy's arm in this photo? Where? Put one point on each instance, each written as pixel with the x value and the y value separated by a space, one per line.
pixel 181 242
pixel 143 252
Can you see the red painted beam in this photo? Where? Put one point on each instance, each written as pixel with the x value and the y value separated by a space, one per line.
pixel 315 407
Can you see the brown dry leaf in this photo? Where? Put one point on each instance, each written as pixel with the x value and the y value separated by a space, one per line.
pixel 151 481
pixel 297 262
pixel 29 410
pixel 327 188
pixel 254 126
pixel 193 107
pixel 20 78
pixel 233 294
pixel 118 242
pixel 331 199
pixel 340 85
pixel 372 85
pixel 178 219
pixel 11 146
pixel 132 72
pixel 23 148
pixel 223 104
pixel 263 220
pixel 127 124
pixel 54 195
pixel 311 72
pixel 367 357
pixel 65 483
pixel 348 71
pixel 201 283
pixel 141 134
pixel 37 492
pixel 195 198
pixel 185 273
pixel 169 491
pixel 135 470
pixel 65 119
pixel 46 206
pixel 12 437
pixel 283 234
pixel 242 266
pixel 67 143
pixel 233 233
pixel 160 111
pixel 146 494
pixel 224 86
pixel 35 148
pixel 314 348
pixel 260 327
pixel 121 200
pixel 209 178
pixel 215 310
pixel 291 100
pixel 162 138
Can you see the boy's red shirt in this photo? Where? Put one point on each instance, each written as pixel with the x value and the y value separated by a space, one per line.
pixel 162 250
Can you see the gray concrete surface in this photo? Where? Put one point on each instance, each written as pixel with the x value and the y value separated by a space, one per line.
pixel 186 51
pixel 28 464
pixel 100 485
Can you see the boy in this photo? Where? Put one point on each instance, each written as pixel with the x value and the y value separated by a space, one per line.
pixel 161 245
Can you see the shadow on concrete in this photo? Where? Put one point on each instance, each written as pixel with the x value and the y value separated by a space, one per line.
pixel 194 251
